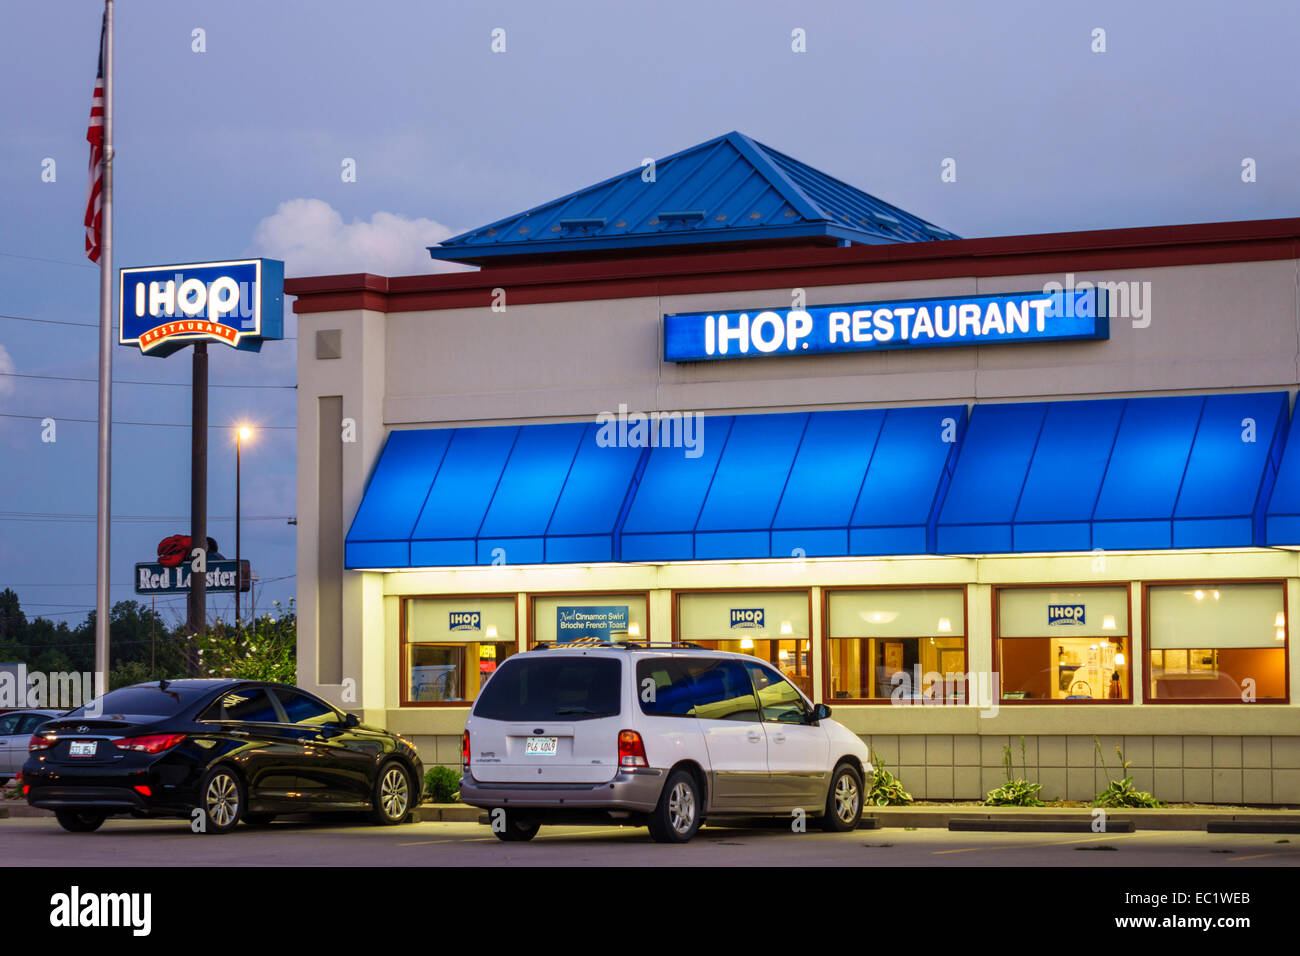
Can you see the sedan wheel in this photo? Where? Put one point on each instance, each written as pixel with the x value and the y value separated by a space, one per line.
pixel 392 802
pixel 80 821
pixel 223 800
pixel 844 802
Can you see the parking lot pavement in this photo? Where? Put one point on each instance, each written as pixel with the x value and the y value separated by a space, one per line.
pixel 40 842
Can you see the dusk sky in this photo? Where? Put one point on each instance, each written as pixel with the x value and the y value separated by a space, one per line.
pixel 238 150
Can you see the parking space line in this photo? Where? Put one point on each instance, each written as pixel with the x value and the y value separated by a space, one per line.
pixel 1026 846
pixel 1260 856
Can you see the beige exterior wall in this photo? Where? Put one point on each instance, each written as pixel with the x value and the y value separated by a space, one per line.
pixel 1210 328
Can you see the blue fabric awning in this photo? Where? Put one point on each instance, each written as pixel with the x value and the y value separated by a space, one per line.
pixel 797 484
pixel 521 494
pixel 1170 472
pixel 755 486
pixel 1282 524
pixel 1140 473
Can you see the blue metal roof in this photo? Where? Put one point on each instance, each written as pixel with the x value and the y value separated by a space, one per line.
pixel 729 189
pixel 1168 472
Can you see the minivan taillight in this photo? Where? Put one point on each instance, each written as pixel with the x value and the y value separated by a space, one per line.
pixel 38 743
pixel 150 744
pixel 631 751
pixel 464 751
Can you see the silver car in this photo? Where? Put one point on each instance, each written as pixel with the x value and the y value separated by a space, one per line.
pixel 661 736
pixel 16 728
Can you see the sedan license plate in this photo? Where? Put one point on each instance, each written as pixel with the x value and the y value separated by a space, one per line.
pixel 541 746
pixel 82 748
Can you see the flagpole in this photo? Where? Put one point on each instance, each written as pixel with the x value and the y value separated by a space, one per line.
pixel 104 497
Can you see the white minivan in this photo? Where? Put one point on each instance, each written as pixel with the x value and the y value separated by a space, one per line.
pixel 660 735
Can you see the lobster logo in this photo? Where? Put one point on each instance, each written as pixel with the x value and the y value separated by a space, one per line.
pixel 172 551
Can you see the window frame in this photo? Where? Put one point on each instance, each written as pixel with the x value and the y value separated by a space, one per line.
pixel 403 675
pixel 1131 636
pixel 581 595
pixel 675 595
pixel 826 638
pixel 1212 701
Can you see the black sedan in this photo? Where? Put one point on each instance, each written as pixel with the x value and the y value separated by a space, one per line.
pixel 216 752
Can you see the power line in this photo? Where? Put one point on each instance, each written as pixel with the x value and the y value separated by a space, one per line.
pixel 62 262
pixel 121 381
pixel 146 519
pixel 124 584
pixel 95 325
pixel 92 421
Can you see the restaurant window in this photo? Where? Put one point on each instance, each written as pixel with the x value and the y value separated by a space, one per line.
pixel 453 646
pixel 598 618
pixel 1217 642
pixel 771 625
pixel 1063 644
pixel 907 643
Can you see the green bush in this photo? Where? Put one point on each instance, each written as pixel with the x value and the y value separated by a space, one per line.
pixel 1017 791
pixel 886 790
pixel 442 785
pixel 1121 793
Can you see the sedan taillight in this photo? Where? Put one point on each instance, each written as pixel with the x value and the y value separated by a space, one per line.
pixel 39 743
pixel 150 744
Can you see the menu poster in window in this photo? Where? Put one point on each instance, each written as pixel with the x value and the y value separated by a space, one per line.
pixel 590 623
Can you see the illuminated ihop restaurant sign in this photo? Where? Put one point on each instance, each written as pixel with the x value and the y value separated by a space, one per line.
pixel 901 324
pixel 239 303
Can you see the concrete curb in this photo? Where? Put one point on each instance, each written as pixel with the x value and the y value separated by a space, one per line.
pixel 20 810
pixel 447 813
pixel 1054 817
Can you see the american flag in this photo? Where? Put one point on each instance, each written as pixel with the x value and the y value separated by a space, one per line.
pixel 95 136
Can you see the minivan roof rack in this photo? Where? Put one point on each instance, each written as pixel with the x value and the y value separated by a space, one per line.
pixel 620 645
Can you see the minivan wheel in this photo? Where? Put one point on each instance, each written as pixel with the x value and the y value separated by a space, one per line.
pixel 392 800
pixel 512 829
pixel 677 817
pixel 843 801
pixel 222 796
pixel 80 821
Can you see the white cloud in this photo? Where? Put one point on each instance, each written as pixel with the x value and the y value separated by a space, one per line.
pixel 312 239
pixel 6 366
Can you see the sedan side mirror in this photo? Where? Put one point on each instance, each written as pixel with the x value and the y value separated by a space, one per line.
pixel 351 720
pixel 819 713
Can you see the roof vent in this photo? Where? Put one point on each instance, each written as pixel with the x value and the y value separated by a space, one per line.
pixel 589 222
pixel 682 215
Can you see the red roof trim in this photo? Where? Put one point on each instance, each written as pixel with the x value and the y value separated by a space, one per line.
pixel 560 280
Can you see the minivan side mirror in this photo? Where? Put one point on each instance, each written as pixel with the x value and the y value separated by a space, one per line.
pixel 820 712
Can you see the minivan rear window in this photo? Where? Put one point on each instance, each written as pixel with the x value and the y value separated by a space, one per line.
pixel 550 688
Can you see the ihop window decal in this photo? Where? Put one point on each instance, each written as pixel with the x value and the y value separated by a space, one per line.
pixel 899 324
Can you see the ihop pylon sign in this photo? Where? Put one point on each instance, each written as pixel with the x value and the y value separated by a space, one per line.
pixel 165 308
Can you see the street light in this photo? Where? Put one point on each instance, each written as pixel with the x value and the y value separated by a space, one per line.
pixel 242 434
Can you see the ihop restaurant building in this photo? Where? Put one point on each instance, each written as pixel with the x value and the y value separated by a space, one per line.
pixel 962 490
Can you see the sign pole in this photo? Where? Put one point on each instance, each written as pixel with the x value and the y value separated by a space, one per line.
pixel 239 565
pixel 198 598
pixel 103 503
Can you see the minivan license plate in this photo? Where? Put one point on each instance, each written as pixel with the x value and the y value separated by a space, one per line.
pixel 82 748
pixel 541 746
